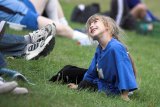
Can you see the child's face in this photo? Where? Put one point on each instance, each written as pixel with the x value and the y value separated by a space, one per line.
pixel 96 28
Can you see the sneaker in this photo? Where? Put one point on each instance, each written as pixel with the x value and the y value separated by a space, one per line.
pixel 43 33
pixel 2 28
pixel 34 49
pixel 40 41
pixel 7 86
pixel 20 90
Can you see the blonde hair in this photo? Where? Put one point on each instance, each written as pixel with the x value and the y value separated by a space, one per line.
pixel 114 30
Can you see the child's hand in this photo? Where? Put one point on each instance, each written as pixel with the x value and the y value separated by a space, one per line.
pixel 72 86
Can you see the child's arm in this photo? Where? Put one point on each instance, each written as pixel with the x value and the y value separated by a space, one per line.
pixel 124 96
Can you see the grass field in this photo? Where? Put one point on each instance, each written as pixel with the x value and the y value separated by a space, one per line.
pixel 144 49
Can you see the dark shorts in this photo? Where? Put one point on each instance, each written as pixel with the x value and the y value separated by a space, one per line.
pixel 30 18
pixel 24 14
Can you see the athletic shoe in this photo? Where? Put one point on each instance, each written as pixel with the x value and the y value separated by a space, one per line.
pixel 20 90
pixel 33 50
pixel 43 33
pixel 2 28
pixel 6 87
pixel 40 41
pixel 47 49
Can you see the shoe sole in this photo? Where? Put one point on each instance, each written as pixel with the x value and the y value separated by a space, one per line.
pixel 37 51
pixel 48 49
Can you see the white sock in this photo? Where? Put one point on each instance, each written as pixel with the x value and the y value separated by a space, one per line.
pixel 63 21
pixel 27 38
pixel 78 35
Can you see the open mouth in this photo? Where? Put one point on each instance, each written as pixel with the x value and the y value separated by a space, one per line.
pixel 93 30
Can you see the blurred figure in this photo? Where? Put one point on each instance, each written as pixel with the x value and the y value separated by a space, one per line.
pixel 28 13
pixel 127 12
pixel 140 11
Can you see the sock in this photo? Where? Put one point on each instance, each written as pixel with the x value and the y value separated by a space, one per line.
pixel 27 39
pixel 63 21
pixel 78 35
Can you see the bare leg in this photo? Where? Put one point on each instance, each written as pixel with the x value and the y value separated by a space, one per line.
pixel 39 5
pixel 55 12
pixel 139 11
pixel 61 16
pixel 52 10
pixel 62 30
pixel 60 11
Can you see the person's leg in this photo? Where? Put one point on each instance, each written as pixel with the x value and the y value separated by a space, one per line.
pixel 139 11
pixel 63 30
pixel 52 10
pixel 30 45
pixel 120 12
pixel 13 45
pixel 33 21
pixel 61 16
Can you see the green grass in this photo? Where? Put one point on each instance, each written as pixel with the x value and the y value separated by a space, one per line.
pixel 144 49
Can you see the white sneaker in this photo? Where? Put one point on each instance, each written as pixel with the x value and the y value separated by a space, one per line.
pixel 33 50
pixel 43 33
pixel 7 86
pixel 20 90
pixel 39 40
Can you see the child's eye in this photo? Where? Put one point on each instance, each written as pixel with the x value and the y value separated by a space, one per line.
pixel 95 21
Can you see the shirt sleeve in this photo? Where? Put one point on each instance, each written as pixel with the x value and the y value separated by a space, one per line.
pixel 126 79
pixel 91 74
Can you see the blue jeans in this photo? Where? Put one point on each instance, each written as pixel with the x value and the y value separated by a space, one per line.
pixel 12 45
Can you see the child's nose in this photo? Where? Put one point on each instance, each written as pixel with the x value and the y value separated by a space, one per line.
pixel 91 26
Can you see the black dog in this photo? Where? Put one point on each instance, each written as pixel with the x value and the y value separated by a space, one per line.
pixel 69 74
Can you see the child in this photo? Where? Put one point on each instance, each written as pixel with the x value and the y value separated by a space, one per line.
pixel 112 69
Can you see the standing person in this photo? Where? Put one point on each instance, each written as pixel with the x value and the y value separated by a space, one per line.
pixel 26 12
pixel 112 69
